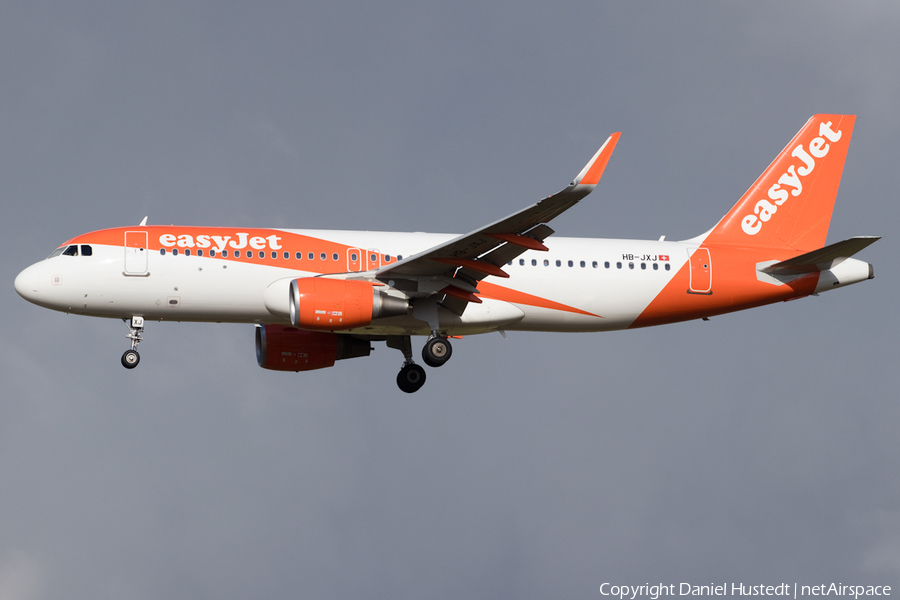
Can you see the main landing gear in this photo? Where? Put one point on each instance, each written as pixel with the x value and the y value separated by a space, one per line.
pixel 436 352
pixel 410 378
pixel 131 358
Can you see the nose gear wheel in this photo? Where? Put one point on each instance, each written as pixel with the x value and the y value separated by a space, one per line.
pixel 130 359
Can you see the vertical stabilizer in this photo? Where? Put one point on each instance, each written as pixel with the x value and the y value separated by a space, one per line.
pixel 790 204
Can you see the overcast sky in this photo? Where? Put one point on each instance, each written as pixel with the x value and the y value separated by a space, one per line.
pixel 758 447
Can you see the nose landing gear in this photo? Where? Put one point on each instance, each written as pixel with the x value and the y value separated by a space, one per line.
pixel 131 358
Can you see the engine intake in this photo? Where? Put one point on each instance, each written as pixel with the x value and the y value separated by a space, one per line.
pixel 334 304
pixel 282 348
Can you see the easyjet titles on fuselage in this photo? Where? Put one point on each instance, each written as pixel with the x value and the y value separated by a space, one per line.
pixel 221 242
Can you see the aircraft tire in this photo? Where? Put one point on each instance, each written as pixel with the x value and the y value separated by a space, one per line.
pixel 130 359
pixel 436 351
pixel 411 378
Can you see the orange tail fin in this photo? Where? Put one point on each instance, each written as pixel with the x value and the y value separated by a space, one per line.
pixel 790 204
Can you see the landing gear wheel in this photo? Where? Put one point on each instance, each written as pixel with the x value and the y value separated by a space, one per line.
pixel 436 351
pixel 411 378
pixel 130 359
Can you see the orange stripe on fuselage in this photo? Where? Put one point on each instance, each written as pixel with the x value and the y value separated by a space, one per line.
pixel 491 290
pixel 734 287
pixel 187 238
pixel 195 238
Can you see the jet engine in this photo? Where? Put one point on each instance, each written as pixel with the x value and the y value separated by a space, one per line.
pixel 335 304
pixel 282 348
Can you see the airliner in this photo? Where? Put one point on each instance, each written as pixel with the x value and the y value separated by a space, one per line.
pixel 316 297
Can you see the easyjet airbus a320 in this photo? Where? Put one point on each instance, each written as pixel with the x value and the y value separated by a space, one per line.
pixel 321 296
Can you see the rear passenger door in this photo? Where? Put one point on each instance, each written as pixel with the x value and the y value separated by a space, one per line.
pixel 701 271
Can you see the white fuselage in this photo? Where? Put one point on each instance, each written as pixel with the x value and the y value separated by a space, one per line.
pixel 605 283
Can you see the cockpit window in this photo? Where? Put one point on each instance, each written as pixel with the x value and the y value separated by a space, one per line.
pixel 72 251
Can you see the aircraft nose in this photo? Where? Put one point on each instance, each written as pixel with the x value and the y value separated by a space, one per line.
pixel 28 284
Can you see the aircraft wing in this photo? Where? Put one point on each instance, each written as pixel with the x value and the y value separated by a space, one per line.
pixel 464 261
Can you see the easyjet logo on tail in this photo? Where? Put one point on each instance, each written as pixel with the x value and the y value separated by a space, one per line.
pixel 791 179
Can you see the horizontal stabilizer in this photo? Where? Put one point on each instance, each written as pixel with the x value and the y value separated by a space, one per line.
pixel 821 259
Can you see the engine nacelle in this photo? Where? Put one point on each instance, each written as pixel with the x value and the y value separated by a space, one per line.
pixel 335 304
pixel 283 348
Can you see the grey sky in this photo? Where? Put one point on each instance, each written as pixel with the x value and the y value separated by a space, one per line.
pixel 757 447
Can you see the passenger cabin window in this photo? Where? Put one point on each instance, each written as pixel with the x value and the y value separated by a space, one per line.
pixel 334 256
pixel 582 264
pixel 387 258
pixel 262 254
pixel 559 263
pixel 187 252
pixel 323 256
pixel 174 251
pixel 373 258
pixel 199 252
pixel 275 255
pixel 571 264
pixel 286 255
pixel 311 256
pixel 162 251
pixel 70 251
pixel 605 264
pixel 643 266
pixel 655 267
pixel 86 250
pixel 521 262
pixel 533 262
pixel 618 265
pixel 212 253
pixel 224 253
pixel 667 266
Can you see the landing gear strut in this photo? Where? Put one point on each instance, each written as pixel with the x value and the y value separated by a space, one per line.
pixel 411 377
pixel 437 351
pixel 131 358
